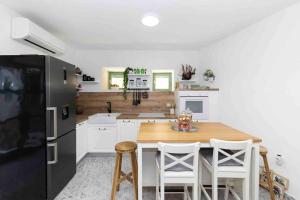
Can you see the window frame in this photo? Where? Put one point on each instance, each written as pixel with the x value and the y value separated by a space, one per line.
pixel 111 74
pixel 170 76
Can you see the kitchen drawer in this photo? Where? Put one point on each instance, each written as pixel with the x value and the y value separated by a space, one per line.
pixel 157 120
pixel 101 129
pixel 148 120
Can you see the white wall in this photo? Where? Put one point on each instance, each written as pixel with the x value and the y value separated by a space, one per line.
pixel 258 72
pixel 8 46
pixel 96 62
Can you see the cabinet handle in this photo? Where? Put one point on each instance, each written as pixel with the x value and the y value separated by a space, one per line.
pixel 104 129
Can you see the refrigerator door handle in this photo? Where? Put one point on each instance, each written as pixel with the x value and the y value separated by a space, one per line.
pixel 54 161
pixel 54 109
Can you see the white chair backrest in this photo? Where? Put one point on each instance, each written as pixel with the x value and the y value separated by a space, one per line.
pixel 190 150
pixel 237 151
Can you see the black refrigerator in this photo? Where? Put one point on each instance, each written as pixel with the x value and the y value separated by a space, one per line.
pixel 37 126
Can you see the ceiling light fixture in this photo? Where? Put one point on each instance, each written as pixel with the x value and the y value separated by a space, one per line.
pixel 150 20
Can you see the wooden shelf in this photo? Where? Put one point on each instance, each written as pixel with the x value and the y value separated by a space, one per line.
pixel 89 82
pixel 138 74
pixel 138 88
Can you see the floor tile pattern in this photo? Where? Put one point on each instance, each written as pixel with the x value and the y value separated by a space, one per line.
pixel 93 182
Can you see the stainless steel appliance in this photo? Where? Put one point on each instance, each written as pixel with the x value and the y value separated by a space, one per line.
pixel 37 126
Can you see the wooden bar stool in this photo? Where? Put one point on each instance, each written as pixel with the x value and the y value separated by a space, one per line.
pixel 263 152
pixel 119 176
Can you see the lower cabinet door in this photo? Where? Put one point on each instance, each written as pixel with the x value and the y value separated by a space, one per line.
pixel 81 140
pixel 102 139
pixel 127 130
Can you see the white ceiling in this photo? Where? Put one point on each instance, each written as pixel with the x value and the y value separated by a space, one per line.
pixel 116 24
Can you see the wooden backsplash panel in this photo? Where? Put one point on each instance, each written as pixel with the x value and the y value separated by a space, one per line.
pixel 96 102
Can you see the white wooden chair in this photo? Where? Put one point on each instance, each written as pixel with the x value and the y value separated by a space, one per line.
pixel 229 160
pixel 177 164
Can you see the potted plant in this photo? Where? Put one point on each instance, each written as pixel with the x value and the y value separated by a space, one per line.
pixel 187 72
pixel 209 75
pixel 125 81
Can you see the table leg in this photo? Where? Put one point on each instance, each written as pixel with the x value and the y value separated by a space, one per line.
pixel 140 172
pixel 255 173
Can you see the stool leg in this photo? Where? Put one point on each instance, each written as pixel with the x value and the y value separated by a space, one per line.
pixel 269 177
pixel 116 178
pixel 134 174
pixel 119 172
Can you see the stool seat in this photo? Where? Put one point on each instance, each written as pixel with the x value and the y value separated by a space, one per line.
pixel 126 147
pixel 263 150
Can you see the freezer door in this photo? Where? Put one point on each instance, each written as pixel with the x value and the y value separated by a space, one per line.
pixel 22 128
pixel 61 94
pixel 61 163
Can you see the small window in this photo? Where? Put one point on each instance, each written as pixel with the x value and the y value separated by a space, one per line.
pixel 162 81
pixel 115 79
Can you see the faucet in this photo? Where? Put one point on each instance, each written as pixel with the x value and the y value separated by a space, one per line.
pixel 108 107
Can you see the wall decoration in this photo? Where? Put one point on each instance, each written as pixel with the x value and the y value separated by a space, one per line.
pixel 187 72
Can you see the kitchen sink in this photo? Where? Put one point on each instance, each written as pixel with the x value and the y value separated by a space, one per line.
pixel 103 118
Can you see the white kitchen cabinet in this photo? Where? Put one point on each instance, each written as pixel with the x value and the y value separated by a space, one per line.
pixel 81 140
pixel 127 130
pixel 102 138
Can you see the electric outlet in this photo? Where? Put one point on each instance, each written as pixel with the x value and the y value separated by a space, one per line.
pixel 279 159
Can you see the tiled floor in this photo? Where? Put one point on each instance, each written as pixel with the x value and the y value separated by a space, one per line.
pixel 93 182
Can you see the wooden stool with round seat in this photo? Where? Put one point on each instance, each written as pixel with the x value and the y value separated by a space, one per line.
pixel 119 176
pixel 263 152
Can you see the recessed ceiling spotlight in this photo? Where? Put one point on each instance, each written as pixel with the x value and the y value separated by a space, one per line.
pixel 150 20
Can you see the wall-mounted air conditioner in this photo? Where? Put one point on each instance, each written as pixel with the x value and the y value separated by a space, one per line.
pixel 24 29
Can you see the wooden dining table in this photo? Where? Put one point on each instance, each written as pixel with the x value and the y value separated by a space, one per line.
pixel 152 133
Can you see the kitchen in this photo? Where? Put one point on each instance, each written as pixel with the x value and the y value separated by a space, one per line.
pixel 225 77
